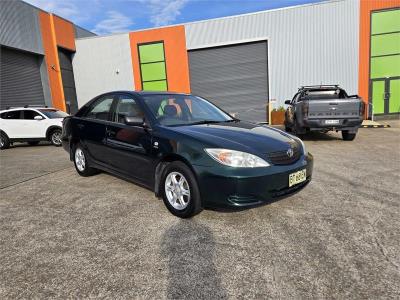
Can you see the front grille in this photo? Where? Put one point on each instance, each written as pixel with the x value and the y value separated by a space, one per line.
pixel 289 190
pixel 282 157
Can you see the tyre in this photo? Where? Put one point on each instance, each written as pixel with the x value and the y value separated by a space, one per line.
pixel 180 191
pixel 347 136
pixel 81 162
pixel 4 141
pixel 288 129
pixel 55 137
pixel 33 143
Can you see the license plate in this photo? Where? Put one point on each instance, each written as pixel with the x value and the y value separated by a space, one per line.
pixel 297 177
pixel 332 122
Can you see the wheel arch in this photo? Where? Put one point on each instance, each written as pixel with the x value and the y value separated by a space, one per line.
pixel 162 164
pixel 50 130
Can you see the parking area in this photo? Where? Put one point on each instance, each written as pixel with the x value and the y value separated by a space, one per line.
pixel 62 235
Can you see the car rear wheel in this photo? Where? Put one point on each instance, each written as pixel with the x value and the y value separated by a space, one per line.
pixel 4 141
pixel 55 137
pixel 180 192
pixel 81 163
pixel 347 136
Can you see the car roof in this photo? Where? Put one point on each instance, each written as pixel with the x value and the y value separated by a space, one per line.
pixel 23 107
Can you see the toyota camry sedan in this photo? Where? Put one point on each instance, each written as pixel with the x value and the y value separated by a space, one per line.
pixel 192 154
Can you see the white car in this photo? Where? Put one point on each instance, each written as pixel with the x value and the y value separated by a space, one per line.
pixel 31 125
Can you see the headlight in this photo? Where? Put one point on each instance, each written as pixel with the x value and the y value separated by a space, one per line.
pixel 236 159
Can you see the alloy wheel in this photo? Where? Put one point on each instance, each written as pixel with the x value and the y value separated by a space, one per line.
pixel 80 160
pixel 56 138
pixel 177 190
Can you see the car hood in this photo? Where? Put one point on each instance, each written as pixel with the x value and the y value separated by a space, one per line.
pixel 241 136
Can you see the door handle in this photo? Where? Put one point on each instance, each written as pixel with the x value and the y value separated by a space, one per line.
pixel 110 133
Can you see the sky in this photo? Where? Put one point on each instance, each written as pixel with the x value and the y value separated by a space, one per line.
pixel 114 16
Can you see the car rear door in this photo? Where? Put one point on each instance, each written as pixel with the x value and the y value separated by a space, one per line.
pixel 91 128
pixel 12 124
pixel 129 147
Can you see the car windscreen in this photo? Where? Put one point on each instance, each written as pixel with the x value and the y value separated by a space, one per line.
pixel 176 110
pixel 53 113
pixel 324 94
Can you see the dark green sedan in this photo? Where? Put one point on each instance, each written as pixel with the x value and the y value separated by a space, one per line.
pixel 188 151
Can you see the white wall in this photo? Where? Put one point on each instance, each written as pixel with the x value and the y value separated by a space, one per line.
pixel 96 62
pixel 309 44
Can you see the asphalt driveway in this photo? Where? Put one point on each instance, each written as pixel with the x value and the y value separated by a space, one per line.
pixel 62 235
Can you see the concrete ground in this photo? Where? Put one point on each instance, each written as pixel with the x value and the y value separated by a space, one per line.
pixel 62 235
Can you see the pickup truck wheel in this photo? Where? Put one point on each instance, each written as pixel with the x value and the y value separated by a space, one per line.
pixel 288 129
pixel 81 163
pixel 4 141
pixel 180 192
pixel 348 136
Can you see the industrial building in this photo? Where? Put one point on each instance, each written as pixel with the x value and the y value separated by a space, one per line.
pixel 241 62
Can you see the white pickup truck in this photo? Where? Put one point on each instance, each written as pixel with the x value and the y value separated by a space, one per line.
pixel 324 108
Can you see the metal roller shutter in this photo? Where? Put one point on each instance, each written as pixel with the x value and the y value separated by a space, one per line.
pixel 67 75
pixel 20 81
pixel 234 77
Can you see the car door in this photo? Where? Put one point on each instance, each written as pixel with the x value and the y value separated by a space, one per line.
pixel 129 147
pixel 12 124
pixel 33 128
pixel 91 128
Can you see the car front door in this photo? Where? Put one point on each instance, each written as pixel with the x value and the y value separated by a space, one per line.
pixel 91 128
pixel 129 147
pixel 291 110
pixel 34 128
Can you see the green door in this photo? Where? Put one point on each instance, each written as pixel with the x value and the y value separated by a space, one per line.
pixel 394 94
pixel 378 96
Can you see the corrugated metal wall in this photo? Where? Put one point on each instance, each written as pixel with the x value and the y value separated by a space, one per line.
pixel 102 64
pixel 309 44
pixel 19 26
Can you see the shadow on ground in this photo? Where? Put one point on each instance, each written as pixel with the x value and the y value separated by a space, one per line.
pixel 189 249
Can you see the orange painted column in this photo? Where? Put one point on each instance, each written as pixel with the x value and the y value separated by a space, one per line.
pixel 176 57
pixel 55 32
pixel 366 6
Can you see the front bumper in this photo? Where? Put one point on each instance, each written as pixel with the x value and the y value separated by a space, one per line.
pixel 224 187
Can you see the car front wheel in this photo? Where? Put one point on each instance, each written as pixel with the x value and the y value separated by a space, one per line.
pixel 81 163
pixel 180 191
pixel 55 137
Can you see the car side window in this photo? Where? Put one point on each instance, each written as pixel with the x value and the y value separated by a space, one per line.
pixel 12 115
pixel 30 114
pixel 101 108
pixel 127 107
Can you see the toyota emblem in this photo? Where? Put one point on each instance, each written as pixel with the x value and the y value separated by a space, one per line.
pixel 289 152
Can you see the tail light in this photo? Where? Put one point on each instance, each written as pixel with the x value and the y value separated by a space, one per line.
pixel 304 108
pixel 362 108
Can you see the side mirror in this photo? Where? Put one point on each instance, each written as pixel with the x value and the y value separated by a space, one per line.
pixel 288 102
pixel 38 118
pixel 134 121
